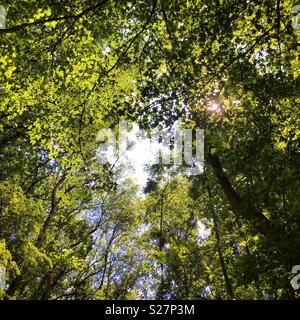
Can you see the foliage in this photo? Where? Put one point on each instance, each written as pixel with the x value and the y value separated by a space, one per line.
pixel 71 227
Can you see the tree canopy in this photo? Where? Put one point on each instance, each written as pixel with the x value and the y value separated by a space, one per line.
pixel 71 227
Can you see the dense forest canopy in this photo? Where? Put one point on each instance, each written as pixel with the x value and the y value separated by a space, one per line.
pixel 71 228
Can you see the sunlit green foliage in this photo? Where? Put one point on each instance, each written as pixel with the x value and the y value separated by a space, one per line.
pixel 70 228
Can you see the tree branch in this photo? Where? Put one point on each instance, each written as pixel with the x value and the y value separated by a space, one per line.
pixel 42 21
pixel 42 236
pixel 258 220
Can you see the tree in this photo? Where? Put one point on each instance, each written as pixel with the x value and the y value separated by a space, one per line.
pixel 70 227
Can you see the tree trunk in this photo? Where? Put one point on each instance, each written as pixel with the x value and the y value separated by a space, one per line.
pixel 42 236
pixel 257 219
pixel 228 285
